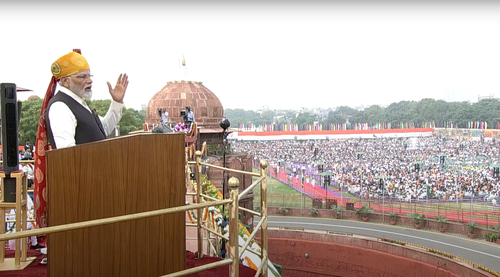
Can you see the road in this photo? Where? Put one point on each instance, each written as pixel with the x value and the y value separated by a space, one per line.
pixel 478 251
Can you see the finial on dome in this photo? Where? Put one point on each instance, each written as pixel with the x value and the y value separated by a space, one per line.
pixel 183 61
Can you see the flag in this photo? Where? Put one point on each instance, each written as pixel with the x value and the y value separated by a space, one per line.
pixel 428 190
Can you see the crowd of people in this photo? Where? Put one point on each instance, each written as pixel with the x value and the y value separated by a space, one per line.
pixel 409 169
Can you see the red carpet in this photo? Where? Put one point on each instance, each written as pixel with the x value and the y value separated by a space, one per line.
pixel 35 269
pixel 215 272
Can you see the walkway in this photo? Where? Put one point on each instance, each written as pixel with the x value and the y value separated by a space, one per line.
pixel 477 251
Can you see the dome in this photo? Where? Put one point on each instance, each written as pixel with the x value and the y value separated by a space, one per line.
pixel 176 95
pixel 33 97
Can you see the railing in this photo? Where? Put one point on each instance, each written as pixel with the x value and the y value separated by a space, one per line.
pixel 461 211
pixel 234 249
pixel 235 252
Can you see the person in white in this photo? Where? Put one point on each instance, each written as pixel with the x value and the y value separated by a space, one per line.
pixel 164 116
pixel 29 169
pixel 29 226
pixel 62 120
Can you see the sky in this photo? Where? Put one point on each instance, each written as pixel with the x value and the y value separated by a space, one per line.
pixel 255 54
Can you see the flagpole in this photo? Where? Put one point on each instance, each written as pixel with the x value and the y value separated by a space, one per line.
pixel 471 198
pixel 383 198
pixel 427 196
pixel 341 185
pixel 456 196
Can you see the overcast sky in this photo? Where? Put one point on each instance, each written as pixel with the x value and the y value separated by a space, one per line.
pixel 280 54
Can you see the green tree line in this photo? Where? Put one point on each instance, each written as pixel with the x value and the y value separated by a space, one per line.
pixel 424 111
pixel 131 120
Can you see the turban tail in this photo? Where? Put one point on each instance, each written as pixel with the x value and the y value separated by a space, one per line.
pixel 40 193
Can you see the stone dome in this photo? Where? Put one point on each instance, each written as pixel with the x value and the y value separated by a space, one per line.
pixel 176 95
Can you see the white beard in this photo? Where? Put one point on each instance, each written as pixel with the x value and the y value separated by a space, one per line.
pixel 84 94
pixel 87 95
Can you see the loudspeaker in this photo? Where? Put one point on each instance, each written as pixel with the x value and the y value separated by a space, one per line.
pixel 10 146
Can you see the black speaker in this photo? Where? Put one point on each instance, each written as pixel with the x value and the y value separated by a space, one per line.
pixel 10 146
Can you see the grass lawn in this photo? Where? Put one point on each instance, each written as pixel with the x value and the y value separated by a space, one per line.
pixel 280 194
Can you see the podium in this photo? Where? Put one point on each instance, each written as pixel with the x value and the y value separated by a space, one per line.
pixel 114 177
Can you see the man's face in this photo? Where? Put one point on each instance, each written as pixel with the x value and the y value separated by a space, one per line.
pixel 81 84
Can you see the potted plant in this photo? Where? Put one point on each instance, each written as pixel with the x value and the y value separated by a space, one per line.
pixel 417 219
pixel 364 211
pixel 338 211
pixel 491 237
pixel 393 216
pixel 494 238
pixel 284 211
pixel 442 220
pixel 313 211
pixel 472 229
pixel 497 228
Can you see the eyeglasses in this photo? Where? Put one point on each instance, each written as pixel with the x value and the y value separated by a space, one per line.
pixel 83 76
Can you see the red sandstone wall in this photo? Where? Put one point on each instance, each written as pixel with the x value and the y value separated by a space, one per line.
pixel 303 254
pixel 242 162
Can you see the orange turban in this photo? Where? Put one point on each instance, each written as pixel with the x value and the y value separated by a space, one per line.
pixel 69 64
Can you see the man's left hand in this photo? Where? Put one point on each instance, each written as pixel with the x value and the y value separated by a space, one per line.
pixel 119 91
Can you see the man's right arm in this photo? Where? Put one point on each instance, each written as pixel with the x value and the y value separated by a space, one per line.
pixel 62 124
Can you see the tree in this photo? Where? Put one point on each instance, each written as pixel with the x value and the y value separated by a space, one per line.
pixel 403 111
pixel 266 117
pixel 101 106
pixel 304 118
pixel 342 114
pixel 240 116
pixel 131 120
pixel 30 115
pixel 424 111
pixel 335 118
pixel 373 114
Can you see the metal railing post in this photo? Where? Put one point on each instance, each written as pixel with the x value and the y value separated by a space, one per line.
pixel 263 209
pixel 187 169
pixel 199 211
pixel 234 227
